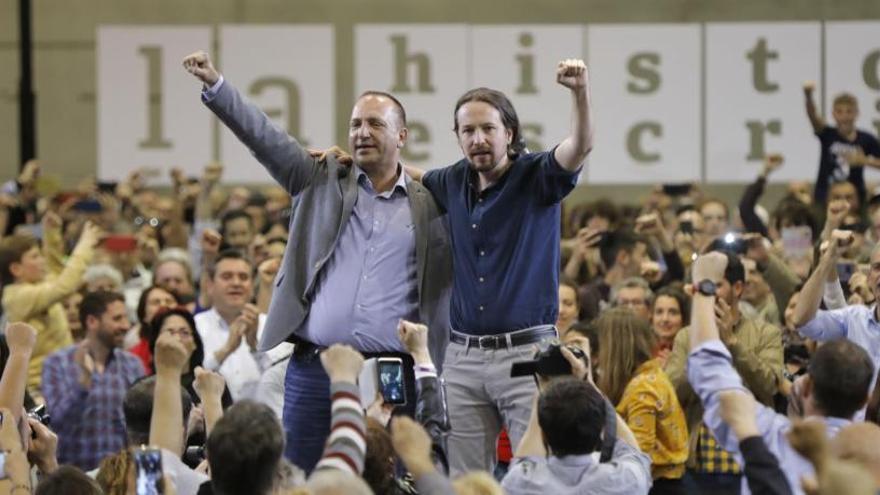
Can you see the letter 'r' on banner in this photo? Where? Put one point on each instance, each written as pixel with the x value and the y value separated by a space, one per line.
pixel 755 101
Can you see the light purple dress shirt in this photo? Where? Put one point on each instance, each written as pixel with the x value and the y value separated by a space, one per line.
pixel 371 280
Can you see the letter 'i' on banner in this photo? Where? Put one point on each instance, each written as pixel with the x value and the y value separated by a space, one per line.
pixel 424 66
pixel 149 111
pixel 852 65
pixel 754 96
pixel 521 62
pixel 289 72
pixel 646 87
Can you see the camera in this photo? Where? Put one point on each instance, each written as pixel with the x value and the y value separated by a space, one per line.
pixel 549 362
pixel 40 414
pixel 193 455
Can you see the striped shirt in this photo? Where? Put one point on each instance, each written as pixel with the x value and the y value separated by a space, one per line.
pixel 346 446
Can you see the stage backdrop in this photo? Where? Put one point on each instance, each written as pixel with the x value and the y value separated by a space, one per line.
pixel 672 102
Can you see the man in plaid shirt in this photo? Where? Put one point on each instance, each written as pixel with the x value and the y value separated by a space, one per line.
pixel 85 384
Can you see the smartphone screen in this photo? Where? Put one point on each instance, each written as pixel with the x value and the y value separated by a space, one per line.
pixel 148 466
pixel 391 380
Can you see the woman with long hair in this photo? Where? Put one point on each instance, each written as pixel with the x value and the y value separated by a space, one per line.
pixel 670 312
pixel 633 380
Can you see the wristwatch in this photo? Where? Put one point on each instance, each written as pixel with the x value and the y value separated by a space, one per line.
pixel 706 287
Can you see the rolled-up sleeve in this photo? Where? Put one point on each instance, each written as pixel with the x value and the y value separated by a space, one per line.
pixel 827 325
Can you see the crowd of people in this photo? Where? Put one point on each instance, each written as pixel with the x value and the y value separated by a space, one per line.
pixel 214 339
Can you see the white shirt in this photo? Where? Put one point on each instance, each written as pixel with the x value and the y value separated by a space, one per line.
pixel 243 368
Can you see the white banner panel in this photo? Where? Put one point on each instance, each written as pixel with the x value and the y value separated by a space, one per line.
pixel 288 71
pixel 646 98
pixel 521 62
pixel 149 112
pixel 424 65
pixel 852 65
pixel 754 101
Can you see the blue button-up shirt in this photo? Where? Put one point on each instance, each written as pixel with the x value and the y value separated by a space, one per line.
pixel 505 242
pixel 710 370
pixel 856 323
pixel 370 281
pixel 89 421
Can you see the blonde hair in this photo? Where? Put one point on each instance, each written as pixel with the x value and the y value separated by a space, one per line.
pixel 625 342
pixel 477 483
pixel 114 471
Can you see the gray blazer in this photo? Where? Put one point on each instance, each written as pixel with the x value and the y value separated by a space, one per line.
pixel 324 196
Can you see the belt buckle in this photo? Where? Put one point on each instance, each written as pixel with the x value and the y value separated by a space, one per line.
pixel 487 339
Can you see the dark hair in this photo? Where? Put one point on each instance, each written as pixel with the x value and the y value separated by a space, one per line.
pixel 683 300
pixel 137 408
pixel 613 243
pixel 68 480
pixel 244 449
pixel 234 215
pixel 152 330
pixel 793 212
pixel 228 254
pixel 378 470
pixel 12 248
pixel 571 414
pixel 500 102
pixel 603 208
pixel 735 271
pixel 842 374
pixel 142 303
pixel 95 304
pixel 590 330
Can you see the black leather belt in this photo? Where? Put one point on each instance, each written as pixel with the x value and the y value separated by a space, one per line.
pixel 504 340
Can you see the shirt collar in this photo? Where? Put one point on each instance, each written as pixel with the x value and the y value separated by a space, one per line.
pixel 572 461
pixel 399 185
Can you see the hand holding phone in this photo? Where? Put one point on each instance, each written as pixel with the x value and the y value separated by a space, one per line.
pixel 148 471
pixel 391 384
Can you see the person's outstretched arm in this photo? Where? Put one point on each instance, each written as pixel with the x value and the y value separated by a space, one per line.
pixel 572 151
pixel 284 158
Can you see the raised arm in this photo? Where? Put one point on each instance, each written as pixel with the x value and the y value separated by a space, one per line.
pixel 811 295
pixel 284 158
pixel 210 386
pixel 22 301
pixel 431 407
pixel 166 422
pixel 571 152
pixel 816 120
pixel 21 338
pixel 346 448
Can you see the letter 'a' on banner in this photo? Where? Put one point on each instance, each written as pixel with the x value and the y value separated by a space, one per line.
pixel 149 112
pixel 646 87
pixel 425 66
pixel 289 72
pixel 852 65
pixel 754 99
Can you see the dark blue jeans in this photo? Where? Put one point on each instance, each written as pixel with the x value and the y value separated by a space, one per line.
pixel 306 415
pixel 306 411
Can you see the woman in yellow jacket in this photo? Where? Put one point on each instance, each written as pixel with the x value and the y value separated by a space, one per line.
pixel 37 281
pixel 635 383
